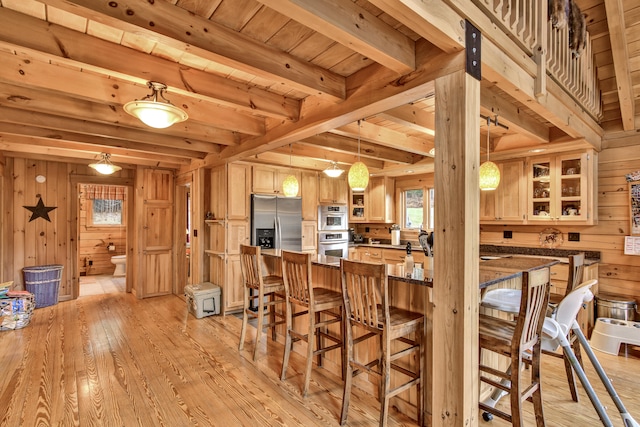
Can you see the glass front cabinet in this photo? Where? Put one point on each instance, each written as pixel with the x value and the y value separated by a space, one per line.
pixel 561 188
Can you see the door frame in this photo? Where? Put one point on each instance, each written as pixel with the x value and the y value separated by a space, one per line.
pixel 75 182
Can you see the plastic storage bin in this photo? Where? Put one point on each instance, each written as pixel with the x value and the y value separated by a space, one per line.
pixel 44 283
pixel 203 299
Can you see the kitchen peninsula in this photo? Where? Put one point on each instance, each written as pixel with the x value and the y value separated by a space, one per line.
pixel 413 291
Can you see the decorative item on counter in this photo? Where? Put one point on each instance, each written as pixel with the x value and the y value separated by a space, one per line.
pixel 408 260
pixel 551 238
pixel 209 216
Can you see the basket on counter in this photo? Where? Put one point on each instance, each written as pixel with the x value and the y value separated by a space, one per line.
pixel 16 312
pixel 44 283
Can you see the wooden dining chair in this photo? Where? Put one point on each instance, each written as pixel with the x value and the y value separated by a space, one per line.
pixel 520 341
pixel 266 292
pixel 574 279
pixel 323 307
pixel 365 290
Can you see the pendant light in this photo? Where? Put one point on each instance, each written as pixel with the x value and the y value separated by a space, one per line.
pixel 154 113
pixel 489 171
pixel 358 173
pixel 104 166
pixel 290 183
pixel 333 171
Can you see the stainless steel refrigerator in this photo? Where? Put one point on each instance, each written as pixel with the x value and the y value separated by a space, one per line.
pixel 276 222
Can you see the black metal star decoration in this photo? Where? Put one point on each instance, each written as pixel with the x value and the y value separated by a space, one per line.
pixel 40 210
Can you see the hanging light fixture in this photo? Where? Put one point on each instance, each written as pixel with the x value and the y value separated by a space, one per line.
pixel 333 171
pixel 489 171
pixel 290 183
pixel 104 166
pixel 358 173
pixel 152 112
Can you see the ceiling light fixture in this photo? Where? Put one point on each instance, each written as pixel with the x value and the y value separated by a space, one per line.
pixel 489 171
pixel 152 112
pixel 358 173
pixel 104 166
pixel 290 184
pixel 333 171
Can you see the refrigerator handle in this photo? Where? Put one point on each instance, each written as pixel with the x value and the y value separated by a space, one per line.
pixel 278 234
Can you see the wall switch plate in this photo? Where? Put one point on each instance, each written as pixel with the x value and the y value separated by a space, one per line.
pixel 574 237
pixel 366 229
pixel 507 234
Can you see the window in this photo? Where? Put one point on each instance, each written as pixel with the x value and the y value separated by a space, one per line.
pixel 417 208
pixel 106 212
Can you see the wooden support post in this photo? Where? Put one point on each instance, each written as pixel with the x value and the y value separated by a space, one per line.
pixel 454 397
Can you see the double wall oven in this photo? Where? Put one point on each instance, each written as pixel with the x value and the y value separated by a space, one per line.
pixel 333 230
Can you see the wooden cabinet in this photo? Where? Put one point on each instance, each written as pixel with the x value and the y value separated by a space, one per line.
pixel 381 205
pixel 332 190
pixel 562 189
pixel 239 182
pixel 375 203
pixel 268 179
pixel 309 192
pixel 309 236
pixel 507 203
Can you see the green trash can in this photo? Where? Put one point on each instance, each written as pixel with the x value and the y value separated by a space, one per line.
pixel 43 282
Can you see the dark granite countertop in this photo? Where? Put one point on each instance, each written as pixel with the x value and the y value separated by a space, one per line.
pixel 591 257
pixel 511 267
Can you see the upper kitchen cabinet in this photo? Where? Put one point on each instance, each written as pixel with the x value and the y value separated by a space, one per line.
pixel 239 178
pixel 309 191
pixel 268 180
pixel 507 203
pixel 332 190
pixel 375 203
pixel 562 188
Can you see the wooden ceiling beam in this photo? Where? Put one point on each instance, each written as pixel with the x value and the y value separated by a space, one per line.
pixel 65 46
pixel 353 27
pixel 33 145
pixel 325 155
pixel 411 117
pixel 181 29
pixel 386 137
pixel 54 123
pixel 492 104
pixel 367 149
pixel 57 137
pixel 617 34
pixel 371 90
pixel 24 71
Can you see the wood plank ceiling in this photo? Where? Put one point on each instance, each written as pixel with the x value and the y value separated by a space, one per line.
pixel 273 81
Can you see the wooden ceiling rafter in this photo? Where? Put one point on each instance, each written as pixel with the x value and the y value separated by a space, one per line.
pixel 91 53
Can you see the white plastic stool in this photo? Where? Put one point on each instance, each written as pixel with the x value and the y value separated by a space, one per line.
pixel 608 334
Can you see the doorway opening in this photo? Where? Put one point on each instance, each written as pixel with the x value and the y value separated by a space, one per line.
pixel 102 238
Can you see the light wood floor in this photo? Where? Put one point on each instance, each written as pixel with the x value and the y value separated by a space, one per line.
pixel 101 284
pixel 113 360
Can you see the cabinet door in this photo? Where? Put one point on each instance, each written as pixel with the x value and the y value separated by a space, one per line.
pixel 281 175
pixel 572 185
pixel 265 179
pixel 380 203
pixel 332 190
pixel 512 195
pixel 233 291
pixel 542 190
pixel 309 192
pixel 357 206
pixel 239 183
pixel 237 234
pixel 309 235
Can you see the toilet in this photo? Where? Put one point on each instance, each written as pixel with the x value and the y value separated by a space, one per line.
pixel 120 262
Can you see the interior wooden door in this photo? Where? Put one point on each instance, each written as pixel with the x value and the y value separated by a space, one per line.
pixel 155 273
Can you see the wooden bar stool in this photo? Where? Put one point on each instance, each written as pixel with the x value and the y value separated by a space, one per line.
pixel 520 341
pixel 365 289
pixel 576 272
pixel 256 288
pixel 317 303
